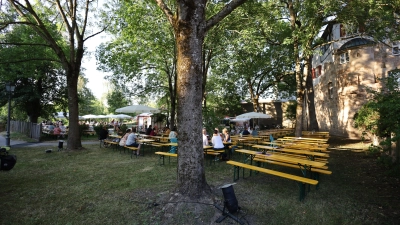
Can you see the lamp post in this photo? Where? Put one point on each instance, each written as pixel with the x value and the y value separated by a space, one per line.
pixel 10 89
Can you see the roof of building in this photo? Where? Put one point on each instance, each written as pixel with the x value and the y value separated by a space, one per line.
pixel 355 42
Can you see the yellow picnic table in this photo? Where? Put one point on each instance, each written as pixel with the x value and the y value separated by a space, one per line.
pixel 309 154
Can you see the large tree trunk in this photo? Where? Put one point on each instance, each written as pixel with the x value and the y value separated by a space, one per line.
pixel 74 137
pixel 190 31
pixel 310 98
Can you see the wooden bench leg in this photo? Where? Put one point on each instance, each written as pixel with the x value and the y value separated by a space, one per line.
pixel 159 160
pixel 236 171
pixel 302 190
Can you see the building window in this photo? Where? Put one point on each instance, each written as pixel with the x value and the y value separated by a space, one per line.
pixel 396 48
pixel 344 58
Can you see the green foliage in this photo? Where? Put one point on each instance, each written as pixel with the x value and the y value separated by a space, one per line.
pixel 123 127
pixel 98 128
pixel 211 120
pixel 83 127
pixel 291 111
pixel 381 114
pixel 34 69
pixel 374 150
pixel 116 99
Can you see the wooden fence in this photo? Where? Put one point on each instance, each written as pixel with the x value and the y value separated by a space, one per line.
pixel 31 130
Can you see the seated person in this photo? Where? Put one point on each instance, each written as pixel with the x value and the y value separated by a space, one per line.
pixel 173 149
pixel 63 128
pixel 103 134
pixel 131 141
pixel 153 132
pixel 205 138
pixel 167 131
pixel 217 141
pixel 118 131
pixel 149 129
pixel 246 132
pixel 50 127
pixel 57 131
pixel 227 136
pixel 173 133
pixel 122 142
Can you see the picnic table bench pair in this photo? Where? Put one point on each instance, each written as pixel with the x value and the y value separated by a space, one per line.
pixel 207 151
pixel 309 169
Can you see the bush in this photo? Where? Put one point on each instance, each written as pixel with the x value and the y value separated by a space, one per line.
pixel 83 127
pixel 374 150
pixel 97 129
pixel 123 127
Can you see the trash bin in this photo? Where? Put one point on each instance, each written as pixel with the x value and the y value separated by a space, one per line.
pixel 60 145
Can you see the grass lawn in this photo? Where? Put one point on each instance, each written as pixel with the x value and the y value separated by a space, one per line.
pixel 103 186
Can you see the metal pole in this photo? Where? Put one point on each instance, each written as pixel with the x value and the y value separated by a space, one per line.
pixel 8 120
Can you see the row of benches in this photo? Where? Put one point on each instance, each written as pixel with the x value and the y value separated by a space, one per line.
pixel 162 155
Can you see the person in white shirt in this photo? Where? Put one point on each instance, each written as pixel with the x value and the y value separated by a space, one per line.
pixel 205 138
pixel 131 141
pixel 217 141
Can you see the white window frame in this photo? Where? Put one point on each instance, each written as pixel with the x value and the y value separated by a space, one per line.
pixel 344 58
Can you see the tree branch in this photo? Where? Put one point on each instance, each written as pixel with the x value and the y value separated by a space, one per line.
pixel 31 59
pixel 228 8
pixel 167 11
pixel 24 44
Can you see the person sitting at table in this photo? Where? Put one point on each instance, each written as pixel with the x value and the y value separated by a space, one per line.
pixel 153 132
pixel 103 134
pixel 118 131
pixel 50 127
pixel 227 136
pixel 167 131
pixel 122 142
pixel 246 132
pixel 149 129
pixel 131 141
pixel 217 141
pixel 57 131
pixel 205 138
pixel 173 133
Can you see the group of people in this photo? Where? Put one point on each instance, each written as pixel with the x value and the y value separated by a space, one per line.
pixel 129 138
pixel 217 139
pixel 56 128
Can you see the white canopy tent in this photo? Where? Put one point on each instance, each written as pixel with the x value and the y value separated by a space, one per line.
pixel 253 115
pixel 240 120
pixel 137 109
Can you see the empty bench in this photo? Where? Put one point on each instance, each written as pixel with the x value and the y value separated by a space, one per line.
pixel 163 154
pixel 301 181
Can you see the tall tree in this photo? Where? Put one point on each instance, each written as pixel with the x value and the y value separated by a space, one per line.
pixel 147 69
pixel 72 18
pixel 116 99
pixel 190 26
pixel 36 72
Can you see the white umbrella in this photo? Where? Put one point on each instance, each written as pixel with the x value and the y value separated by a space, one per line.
pixel 254 115
pixel 120 116
pixel 240 120
pixel 137 109
pixel 102 116
pixel 90 116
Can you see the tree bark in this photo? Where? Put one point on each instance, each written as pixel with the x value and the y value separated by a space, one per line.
pixel 310 98
pixel 190 31
pixel 190 27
